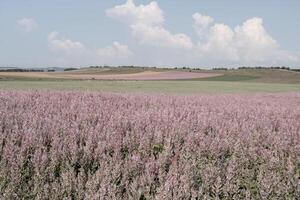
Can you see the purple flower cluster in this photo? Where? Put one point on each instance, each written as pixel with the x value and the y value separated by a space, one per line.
pixel 85 145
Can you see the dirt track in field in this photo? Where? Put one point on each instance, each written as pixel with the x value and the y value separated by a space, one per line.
pixel 146 75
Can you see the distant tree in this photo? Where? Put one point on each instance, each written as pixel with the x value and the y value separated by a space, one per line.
pixel 220 68
pixel 70 69
pixel 21 70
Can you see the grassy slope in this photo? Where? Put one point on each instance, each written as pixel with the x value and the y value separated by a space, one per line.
pixel 262 76
pixel 112 71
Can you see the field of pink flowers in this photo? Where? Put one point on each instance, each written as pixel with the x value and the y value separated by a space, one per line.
pixel 85 145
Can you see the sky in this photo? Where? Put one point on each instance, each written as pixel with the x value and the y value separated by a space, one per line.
pixel 194 33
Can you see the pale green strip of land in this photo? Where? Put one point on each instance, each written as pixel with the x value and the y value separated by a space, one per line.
pixel 173 87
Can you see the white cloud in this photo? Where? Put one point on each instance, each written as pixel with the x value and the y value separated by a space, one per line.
pixel 248 43
pixel 129 13
pixel 69 52
pixel 160 37
pixel 253 42
pixel 146 23
pixel 202 22
pixel 220 44
pixel 27 24
pixel 116 51
pixel 63 45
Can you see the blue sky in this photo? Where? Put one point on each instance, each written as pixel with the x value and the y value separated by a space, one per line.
pixel 200 33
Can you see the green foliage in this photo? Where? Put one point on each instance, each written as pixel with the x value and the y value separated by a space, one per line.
pixel 157 149
pixel 70 69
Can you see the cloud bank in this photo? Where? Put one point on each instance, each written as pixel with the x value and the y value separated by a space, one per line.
pixel 75 53
pixel 216 43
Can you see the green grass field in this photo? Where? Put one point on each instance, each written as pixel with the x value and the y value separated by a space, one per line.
pixel 176 87
pixel 257 75
pixel 232 81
